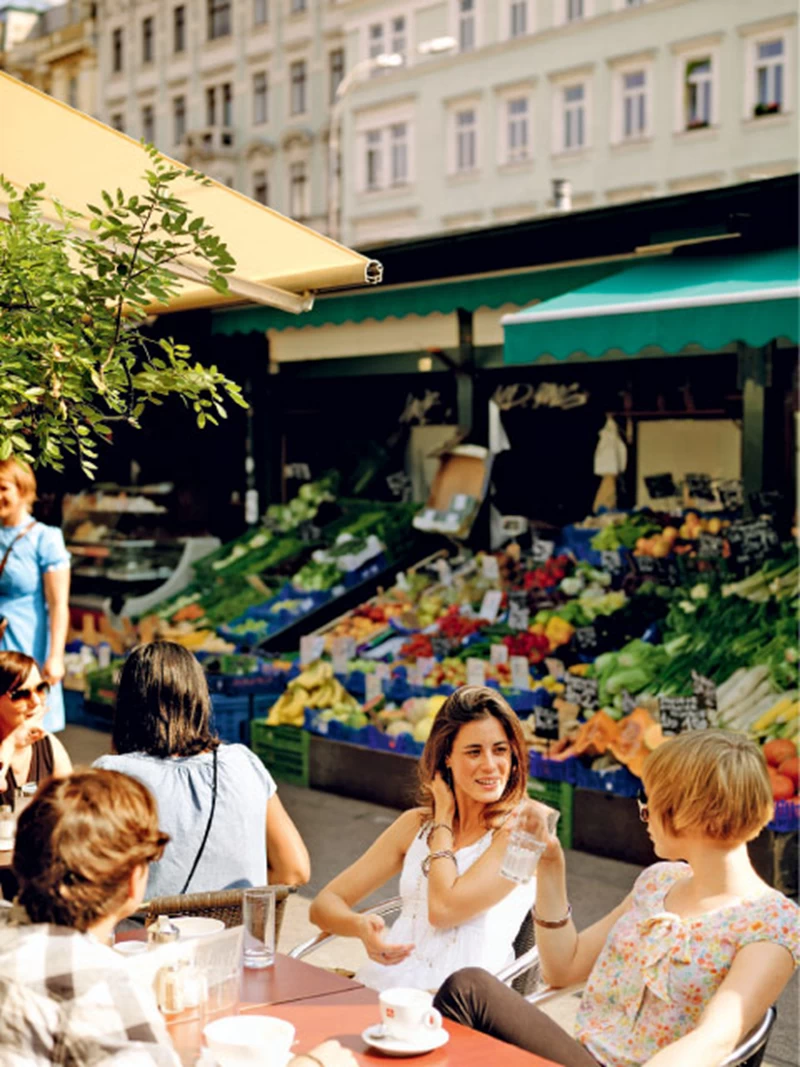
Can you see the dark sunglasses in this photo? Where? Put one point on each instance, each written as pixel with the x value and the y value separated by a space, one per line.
pixel 644 810
pixel 41 691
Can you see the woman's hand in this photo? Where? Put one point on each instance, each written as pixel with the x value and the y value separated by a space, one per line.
pixel 53 669
pixel 372 933
pixel 444 801
pixel 536 817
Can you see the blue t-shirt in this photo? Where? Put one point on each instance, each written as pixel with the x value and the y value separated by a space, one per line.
pixel 235 855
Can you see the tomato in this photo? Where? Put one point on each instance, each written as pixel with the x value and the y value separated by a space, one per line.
pixel 775 752
pixel 782 787
pixel 790 768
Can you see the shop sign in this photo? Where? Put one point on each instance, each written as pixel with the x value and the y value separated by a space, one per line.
pixel 520 673
pixel 581 691
pixel 681 714
pixel 544 395
pixel 546 722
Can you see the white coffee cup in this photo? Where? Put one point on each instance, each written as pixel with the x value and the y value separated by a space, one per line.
pixel 408 1014
pixel 244 1040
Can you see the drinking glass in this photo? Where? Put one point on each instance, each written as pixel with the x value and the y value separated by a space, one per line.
pixel 258 913
pixel 525 845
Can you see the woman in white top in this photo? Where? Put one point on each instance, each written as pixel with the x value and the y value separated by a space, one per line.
pixel 457 909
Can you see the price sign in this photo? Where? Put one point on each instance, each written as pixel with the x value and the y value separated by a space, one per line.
pixel 440 646
pixel 498 654
pixel 611 560
pixel 311 648
pixel 309 532
pixel 545 722
pixel 374 686
pixel 555 668
pixel 660 486
pixel 705 692
pixel 628 702
pixel 342 652
pixel 444 571
pixel 586 639
pixel 581 691
pixel 399 485
pixel 518 613
pixel 414 675
pixel 699 486
pixel 541 550
pixel 426 664
pixel 751 542
pixel 731 494
pixel 709 546
pixel 490 605
pixel 520 673
pixel 679 714
pixel 664 571
pixel 491 568
pixel 476 671
pixel 383 671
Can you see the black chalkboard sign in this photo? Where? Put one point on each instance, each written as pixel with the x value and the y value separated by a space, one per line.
pixel 663 571
pixel 586 639
pixel 731 495
pixel 699 486
pixel 545 722
pixel 680 714
pixel 660 486
pixel 705 692
pixel 611 560
pixel 518 612
pixel 709 546
pixel 769 503
pixel 581 691
pixel 752 542
pixel 628 702
pixel 441 646
pixel 541 550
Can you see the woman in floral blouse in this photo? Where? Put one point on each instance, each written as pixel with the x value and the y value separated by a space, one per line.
pixel 692 958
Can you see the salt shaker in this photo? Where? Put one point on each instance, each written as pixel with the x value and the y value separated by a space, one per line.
pixel 162 931
pixel 8 827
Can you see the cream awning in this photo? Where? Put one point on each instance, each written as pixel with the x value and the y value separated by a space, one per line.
pixel 278 261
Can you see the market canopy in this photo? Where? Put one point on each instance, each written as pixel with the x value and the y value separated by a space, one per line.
pixel 278 261
pixel 670 304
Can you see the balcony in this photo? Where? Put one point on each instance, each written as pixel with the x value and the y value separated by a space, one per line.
pixel 211 142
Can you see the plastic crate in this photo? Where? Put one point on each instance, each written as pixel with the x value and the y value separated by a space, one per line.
pixel 230 717
pixel 283 750
pixel 558 795
pixel 786 818
pixel 551 770
pixel 619 782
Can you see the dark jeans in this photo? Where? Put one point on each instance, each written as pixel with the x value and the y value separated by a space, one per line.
pixel 478 1000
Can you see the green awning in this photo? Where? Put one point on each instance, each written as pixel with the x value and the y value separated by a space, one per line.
pixel 668 304
pixel 443 297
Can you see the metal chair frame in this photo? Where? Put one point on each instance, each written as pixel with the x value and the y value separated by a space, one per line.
pixel 225 904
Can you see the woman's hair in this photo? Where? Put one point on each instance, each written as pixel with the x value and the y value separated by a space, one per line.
pixel 162 707
pixel 14 669
pixel 471 703
pixel 19 472
pixel 710 783
pixel 78 842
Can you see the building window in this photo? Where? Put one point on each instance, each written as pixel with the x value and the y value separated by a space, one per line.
pixel 211 106
pixel 634 3
pixel 698 94
pixel 116 51
pixel 297 7
pixel 574 10
pixel 518 18
pixel 398 136
pixel 466 25
pixel 260 99
pixel 260 187
pixel 297 76
pixel 466 137
pixel 227 104
pixel 298 191
pixel 399 37
pixel 769 77
pixel 147 40
pixel 148 124
pixel 634 104
pixel 376 45
pixel 178 119
pixel 118 121
pixel 517 129
pixel 336 72
pixel 219 19
pixel 374 160
pixel 72 92
pixel 260 16
pixel 179 29
pixel 574 117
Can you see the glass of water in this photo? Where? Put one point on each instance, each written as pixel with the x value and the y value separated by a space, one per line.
pixel 526 843
pixel 258 916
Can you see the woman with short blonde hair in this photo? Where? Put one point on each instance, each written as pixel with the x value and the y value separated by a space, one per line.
pixel 692 958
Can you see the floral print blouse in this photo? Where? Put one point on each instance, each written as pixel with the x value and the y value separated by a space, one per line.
pixel 657 971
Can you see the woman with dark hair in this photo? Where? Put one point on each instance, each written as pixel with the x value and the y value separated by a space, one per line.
pixel 27 752
pixel 217 802
pixel 456 905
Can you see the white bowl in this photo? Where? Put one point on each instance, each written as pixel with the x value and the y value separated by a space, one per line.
pixel 241 1040
pixel 197 926
pixel 130 948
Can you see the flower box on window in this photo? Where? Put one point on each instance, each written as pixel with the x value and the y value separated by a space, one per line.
pixel 766 109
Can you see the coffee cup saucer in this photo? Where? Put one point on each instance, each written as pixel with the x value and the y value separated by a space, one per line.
pixel 425 1041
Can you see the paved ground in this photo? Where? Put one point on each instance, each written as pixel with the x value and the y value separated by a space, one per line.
pixel 337 830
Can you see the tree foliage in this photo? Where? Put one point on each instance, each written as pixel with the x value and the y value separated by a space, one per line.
pixel 73 302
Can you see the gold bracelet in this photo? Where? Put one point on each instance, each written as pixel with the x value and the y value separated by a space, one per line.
pixel 438 826
pixel 445 853
pixel 550 924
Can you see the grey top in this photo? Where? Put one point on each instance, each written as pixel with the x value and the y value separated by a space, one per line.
pixel 235 855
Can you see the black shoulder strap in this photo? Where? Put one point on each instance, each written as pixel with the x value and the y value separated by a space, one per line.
pixel 208 826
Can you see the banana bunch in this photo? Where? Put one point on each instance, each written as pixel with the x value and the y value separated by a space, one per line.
pixel 315 688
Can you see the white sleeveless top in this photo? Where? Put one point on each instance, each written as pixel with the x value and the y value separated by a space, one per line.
pixel 486 940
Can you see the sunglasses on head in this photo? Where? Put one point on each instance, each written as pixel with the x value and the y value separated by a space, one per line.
pixel 644 810
pixel 25 693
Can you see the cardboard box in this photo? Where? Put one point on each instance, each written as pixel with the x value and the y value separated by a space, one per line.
pixel 458 489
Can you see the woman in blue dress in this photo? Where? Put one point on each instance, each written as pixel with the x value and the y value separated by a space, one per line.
pixel 34 583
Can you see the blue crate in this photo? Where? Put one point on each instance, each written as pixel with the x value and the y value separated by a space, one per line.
pixel 230 717
pixel 620 782
pixel 550 770
pixel 787 817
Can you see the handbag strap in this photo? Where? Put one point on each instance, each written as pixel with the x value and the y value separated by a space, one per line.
pixel 19 537
pixel 208 826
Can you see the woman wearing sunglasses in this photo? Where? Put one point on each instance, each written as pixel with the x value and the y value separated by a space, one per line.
pixel 27 752
pixel 691 959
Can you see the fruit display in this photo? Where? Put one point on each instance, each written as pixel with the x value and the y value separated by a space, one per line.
pixel 316 687
pixel 364 622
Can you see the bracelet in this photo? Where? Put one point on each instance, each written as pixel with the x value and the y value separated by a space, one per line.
pixel 445 853
pixel 550 924
pixel 438 826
